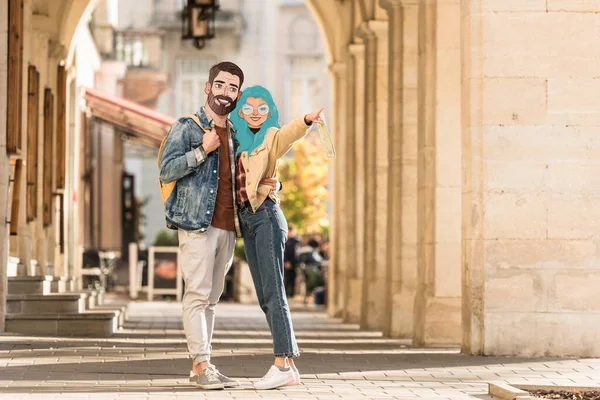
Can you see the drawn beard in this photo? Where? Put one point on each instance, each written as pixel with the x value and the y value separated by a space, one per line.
pixel 217 107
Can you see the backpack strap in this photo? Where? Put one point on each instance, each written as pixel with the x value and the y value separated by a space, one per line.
pixel 197 121
pixel 195 118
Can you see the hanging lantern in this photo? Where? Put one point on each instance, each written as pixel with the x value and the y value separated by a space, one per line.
pixel 198 21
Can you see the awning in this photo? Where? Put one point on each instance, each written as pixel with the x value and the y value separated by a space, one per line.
pixel 144 124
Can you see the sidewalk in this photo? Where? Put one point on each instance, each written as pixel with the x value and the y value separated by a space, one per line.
pixel 147 360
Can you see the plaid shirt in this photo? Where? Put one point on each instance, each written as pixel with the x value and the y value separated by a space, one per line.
pixel 240 180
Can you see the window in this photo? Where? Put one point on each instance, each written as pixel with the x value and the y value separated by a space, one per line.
pixel 135 49
pixel 191 79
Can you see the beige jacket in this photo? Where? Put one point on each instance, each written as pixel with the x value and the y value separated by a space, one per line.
pixel 263 161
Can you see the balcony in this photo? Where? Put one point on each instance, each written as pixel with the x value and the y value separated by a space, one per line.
pixel 141 52
pixel 167 19
pixel 136 48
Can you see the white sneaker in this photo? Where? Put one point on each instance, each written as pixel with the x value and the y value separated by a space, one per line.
pixel 275 378
pixel 296 376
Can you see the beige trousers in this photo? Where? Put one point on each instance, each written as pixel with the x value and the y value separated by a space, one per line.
pixel 205 259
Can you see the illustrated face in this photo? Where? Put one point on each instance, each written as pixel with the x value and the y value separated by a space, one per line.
pixel 255 112
pixel 223 93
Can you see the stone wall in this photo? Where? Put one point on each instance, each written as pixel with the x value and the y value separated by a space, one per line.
pixel 531 161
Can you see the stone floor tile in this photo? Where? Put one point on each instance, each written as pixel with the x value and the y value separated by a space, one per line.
pixel 147 360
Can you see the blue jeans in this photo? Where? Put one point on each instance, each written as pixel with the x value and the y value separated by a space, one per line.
pixel 265 234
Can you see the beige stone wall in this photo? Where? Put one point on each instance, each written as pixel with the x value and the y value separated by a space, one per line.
pixel 531 199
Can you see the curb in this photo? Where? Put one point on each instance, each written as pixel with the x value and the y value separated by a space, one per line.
pixel 506 391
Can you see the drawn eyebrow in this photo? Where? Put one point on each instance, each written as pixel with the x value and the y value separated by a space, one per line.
pixel 231 84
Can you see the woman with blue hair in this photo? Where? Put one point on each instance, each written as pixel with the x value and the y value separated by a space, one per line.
pixel 262 142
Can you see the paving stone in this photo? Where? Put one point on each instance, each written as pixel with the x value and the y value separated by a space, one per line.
pixel 147 360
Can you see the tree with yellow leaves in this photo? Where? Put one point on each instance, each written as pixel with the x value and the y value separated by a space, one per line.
pixel 304 176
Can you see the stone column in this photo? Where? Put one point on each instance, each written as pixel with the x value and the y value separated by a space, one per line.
pixel 402 195
pixel 22 242
pixel 348 190
pixel 438 304
pixel 4 167
pixel 39 251
pixel 56 53
pixel 375 305
pixel 72 197
pixel 446 307
pixel 355 191
pixel 339 262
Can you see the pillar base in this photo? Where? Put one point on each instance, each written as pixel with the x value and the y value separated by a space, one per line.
pixel 353 301
pixel 374 314
pixel 439 323
pixel 402 323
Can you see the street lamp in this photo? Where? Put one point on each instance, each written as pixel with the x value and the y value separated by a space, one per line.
pixel 198 21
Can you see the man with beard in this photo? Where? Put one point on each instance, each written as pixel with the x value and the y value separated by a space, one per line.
pixel 202 207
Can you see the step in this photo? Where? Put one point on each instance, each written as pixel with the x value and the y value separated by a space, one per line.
pixel 91 300
pixel 59 284
pixel 121 309
pixel 12 267
pixel 29 284
pixel 63 284
pixel 45 303
pixel 86 324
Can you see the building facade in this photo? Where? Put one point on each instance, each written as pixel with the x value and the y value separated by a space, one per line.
pixel 464 197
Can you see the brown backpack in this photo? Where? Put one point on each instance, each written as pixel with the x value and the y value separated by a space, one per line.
pixel 167 188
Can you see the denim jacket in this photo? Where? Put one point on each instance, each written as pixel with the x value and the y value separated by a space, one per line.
pixel 191 205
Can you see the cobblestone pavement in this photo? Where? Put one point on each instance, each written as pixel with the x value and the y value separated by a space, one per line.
pixel 147 360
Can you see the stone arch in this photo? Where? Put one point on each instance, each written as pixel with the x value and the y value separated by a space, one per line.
pixel 74 12
pixel 333 28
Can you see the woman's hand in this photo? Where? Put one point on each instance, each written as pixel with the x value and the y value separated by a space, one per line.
pixel 314 117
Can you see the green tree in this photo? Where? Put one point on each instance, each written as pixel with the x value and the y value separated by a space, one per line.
pixel 166 237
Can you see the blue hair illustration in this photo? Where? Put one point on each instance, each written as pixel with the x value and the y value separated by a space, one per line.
pixel 247 139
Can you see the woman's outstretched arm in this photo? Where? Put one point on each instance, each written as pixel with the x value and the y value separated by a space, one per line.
pixel 294 131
